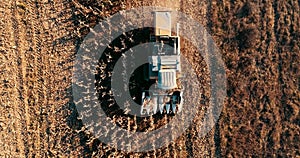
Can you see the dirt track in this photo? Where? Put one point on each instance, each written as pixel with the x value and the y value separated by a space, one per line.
pixel 260 46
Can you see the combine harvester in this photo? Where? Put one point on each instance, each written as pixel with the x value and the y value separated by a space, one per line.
pixel 164 68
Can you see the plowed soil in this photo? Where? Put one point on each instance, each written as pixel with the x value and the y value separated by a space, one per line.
pixel 259 42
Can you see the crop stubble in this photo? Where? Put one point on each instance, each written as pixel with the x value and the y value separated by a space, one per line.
pixel 259 42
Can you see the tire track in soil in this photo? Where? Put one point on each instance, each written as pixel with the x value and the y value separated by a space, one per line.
pixel 29 42
pixel 20 45
pixel 44 71
pixel 58 49
pixel 39 93
pixel 43 11
pixel 29 54
pixel 38 84
pixel 10 118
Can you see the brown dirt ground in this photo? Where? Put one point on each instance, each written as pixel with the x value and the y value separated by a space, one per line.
pixel 259 41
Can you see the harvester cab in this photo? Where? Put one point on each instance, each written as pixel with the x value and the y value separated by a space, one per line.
pixel 166 96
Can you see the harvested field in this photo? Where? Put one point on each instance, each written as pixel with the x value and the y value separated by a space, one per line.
pixel 259 42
